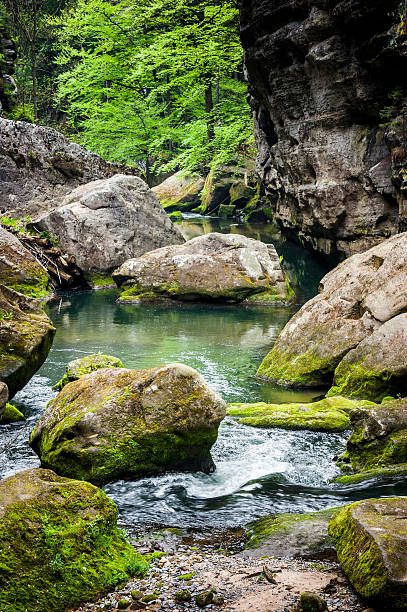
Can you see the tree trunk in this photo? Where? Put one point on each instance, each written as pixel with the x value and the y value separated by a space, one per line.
pixel 209 110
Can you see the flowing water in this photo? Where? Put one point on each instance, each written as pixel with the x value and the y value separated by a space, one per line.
pixel 258 471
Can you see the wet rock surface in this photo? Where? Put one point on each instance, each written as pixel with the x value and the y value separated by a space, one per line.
pixel 107 221
pixel 320 73
pixel 26 335
pixel 220 267
pixel 356 299
pixel 370 539
pixel 117 422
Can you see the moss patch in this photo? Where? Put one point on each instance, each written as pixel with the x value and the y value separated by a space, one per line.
pixel 59 544
pixel 10 415
pixel 85 365
pixel 357 381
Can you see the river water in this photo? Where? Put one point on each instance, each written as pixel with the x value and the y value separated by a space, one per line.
pixel 258 471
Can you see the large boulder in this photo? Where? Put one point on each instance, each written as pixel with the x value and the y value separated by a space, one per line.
pixel 77 368
pixel 321 76
pixel 59 543
pixel 105 222
pixel 117 422
pixel 222 267
pixel 328 414
pixel 38 166
pixel 355 300
pixel 377 367
pixel 180 191
pixel 371 543
pixel 26 335
pixel 377 447
pixel 19 269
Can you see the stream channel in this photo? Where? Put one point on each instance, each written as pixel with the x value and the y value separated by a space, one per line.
pixel 258 471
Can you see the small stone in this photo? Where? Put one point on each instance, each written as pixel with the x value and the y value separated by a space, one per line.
pixel 311 602
pixel 122 604
pixel 136 594
pixel 218 600
pixel 182 596
pixel 204 598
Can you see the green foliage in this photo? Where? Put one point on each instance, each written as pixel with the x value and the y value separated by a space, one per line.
pixel 155 82
pixel 21 113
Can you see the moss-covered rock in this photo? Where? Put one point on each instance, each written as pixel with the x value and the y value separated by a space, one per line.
pixel 378 443
pixel 175 216
pixel 85 365
pixel 377 367
pixel 11 414
pixel 19 269
pixel 217 267
pixel 59 544
pixel 117 422
pixel 180 192
pixel 370 539
pixel 26 335
pixel 290 535
pixel 355 300
pixel 329 414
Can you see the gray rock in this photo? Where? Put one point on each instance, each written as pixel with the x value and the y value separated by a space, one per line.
pixel 355 299
pixel 316 92
pixel 222 267
pixel 116 422
pixel 38 166
pixel 105 222
pixel 3 397
pixel 180 191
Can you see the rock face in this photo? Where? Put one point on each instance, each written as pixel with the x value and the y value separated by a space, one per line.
pixel 180 191
pixel 364 294
pixel 370 539
pixel 105 222
pixel 19 269
pixel 222 267
pixel 117 422
pixel 378 445
pixel 85 365
pixel 59 543
pixel 38 166
pixel 320 75
pixel 329 414
pixel 26 335
pixel 290 535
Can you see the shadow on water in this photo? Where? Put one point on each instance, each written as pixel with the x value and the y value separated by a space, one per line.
pixel 258 470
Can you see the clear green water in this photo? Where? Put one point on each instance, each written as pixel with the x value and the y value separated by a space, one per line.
pixel 258 471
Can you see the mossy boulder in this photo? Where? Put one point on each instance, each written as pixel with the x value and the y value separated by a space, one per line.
pixel 355 299
pixel 19 269
pixel 26 335
pixel 180 192
pixel 117 422
pixel 10 414
pixel 378 444
pixel 377 367
pixel 290 535
pixel 329 414
pixel 59 543
pixel 212 267
pixel 371 542
pixel 85 365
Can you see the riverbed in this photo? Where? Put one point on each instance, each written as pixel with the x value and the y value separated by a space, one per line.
pixel 258 471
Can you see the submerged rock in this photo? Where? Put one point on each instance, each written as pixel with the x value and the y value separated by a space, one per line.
pixel 19 269
pixel 378 446
pixel 180 192
pixel 221 267
pixel 377 367
pixel 290 535
pixel 85 365
pixel 371 543
pixel 26 335
pixel 329 414
pixel 59 543
pixel 117 422
pixel 355 300
pixel 105 222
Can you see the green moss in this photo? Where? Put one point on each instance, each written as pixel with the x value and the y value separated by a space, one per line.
pixel 176 215
pixel 308 369
pixel 325 415
pixel 358 556
pixel 382 473
pixel 85 365
pixel 35 290
pixel 10 415
pixel 186 576
pixel 62 548
pixel 100 280
pixel 358 381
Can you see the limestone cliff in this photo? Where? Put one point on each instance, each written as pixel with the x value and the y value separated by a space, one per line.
pixel 326 88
